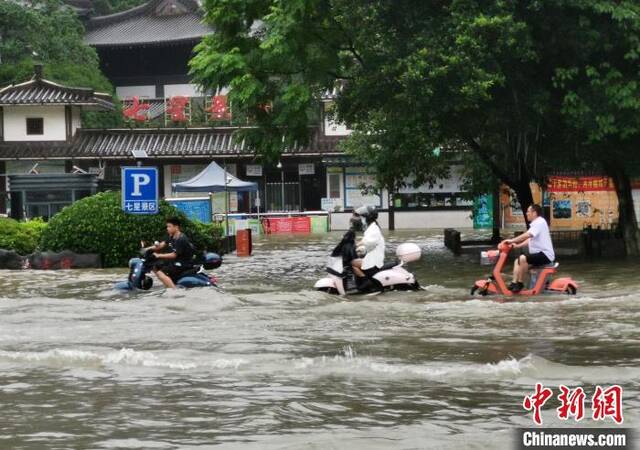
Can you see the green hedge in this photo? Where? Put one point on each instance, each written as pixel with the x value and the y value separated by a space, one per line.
pixel 97 224
pixel 23 237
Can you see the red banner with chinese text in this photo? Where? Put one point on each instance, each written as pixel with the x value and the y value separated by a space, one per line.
pixel 580 184
pixel 290 224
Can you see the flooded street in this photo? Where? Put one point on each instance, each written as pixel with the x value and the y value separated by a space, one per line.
pixel 271 363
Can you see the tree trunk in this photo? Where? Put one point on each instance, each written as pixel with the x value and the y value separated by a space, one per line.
pixel 626 214
pixel 525 197
pixel 495 237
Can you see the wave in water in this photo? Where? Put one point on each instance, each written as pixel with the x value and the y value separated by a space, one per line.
pixel 347 363
pixel 124 356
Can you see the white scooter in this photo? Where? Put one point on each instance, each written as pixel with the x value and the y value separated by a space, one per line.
pixel 391 276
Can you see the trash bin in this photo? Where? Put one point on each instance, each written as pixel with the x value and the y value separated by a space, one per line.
pixel 243 242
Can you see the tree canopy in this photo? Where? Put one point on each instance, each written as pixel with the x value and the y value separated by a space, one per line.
pixel 47 32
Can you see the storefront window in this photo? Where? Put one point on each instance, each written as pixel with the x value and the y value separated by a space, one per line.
pixel 48 196
pixel 438 200
pixel 334 185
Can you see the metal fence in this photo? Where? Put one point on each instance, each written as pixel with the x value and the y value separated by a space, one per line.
pixel 282 196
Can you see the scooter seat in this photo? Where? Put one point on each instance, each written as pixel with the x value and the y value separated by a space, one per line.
pixel 390 265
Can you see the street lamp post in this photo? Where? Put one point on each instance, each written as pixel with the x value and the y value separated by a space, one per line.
pixel 226 206
pixel 279 166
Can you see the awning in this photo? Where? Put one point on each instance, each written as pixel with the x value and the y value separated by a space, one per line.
pixel 212 179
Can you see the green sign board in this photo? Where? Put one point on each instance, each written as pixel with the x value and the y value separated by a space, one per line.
pixel 483 211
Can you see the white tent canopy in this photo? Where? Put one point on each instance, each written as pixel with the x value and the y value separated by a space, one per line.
pixel 212 179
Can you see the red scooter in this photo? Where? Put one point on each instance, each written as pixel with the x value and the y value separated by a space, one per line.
pixel 541 281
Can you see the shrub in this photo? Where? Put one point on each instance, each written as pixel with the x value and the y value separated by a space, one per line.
pixel 23 237
pixel 97 224
pixel 207 236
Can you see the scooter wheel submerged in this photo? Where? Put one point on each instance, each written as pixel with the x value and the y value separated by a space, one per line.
pixel 570 290
pixel 476 290
pixel 328 290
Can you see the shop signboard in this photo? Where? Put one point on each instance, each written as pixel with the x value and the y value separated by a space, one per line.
pixel 254 170
pixel 306 169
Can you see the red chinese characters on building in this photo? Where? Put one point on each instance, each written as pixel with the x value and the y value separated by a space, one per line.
pixel 176 108
pixel 135 110
pixel 607 403
pixel 536 401
pixel 571 403
pixel 219 109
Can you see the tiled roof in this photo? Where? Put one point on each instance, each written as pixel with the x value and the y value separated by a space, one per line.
pixel 34 150
pixel 158 143
pixel 156 21
pixel 43 92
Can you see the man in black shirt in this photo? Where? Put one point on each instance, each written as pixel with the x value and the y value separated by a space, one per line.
pixel 177 259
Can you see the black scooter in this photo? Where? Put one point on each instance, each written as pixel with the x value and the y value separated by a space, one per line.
pixel 197 276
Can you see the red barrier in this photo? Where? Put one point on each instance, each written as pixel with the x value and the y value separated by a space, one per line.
pixel 290 225
pixel 301 224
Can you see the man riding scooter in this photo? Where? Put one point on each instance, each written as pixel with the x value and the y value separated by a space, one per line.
pixel 373 242
pixel 541 251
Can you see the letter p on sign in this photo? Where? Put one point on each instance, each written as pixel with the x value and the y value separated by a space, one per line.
pixel 139 179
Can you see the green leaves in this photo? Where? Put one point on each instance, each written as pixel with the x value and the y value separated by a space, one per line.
pixel 48 32
pixel 23 237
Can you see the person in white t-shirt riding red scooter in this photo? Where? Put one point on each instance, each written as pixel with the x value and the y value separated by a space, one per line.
pixel 541 251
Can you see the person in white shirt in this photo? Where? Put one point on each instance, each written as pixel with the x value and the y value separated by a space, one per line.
pixel 373 243
pixel 538 238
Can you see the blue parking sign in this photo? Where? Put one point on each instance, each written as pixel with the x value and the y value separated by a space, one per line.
pixel 140 190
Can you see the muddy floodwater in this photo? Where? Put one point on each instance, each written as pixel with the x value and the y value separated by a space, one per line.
pixel 270 363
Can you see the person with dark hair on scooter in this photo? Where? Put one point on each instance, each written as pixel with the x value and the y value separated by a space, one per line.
pixel 346 249
pixel 179 257
pixel 538 238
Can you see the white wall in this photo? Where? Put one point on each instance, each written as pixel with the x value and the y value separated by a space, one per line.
pixel 15 123
pixel 76 122
pixel 411 220
pixel 126 92
pixel 185 90
pixel 331 127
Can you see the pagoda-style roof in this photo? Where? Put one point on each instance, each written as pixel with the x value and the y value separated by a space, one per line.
pixel 152 23
pixel 38 91
pixel 158 143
